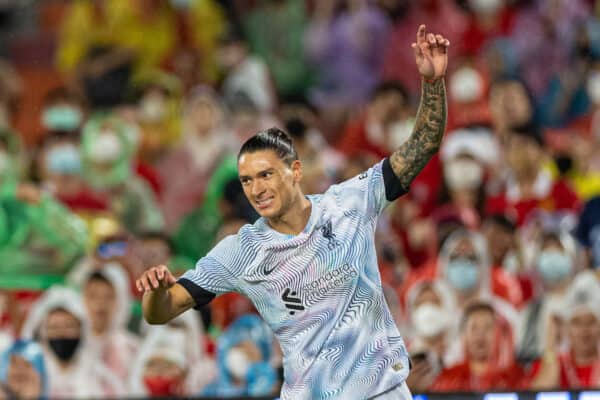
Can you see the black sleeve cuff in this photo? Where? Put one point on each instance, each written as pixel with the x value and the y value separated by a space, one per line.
pixel 393 187
pixel 201 296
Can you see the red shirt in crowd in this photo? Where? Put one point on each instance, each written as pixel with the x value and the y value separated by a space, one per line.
pixel 573 376
pixel 460 378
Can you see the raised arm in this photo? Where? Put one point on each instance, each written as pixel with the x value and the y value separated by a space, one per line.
pixel 431 55
pixel 164 299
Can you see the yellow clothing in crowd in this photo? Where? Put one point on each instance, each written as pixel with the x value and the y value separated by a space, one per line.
pixel 122 24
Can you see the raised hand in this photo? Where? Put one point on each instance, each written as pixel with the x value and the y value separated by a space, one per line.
pixel 155 278
pixel 431 54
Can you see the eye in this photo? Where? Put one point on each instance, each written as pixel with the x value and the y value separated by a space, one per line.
pixel 266 174
pixel 244 181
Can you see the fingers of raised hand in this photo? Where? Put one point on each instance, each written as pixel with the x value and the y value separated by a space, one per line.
pixel 421 32
pixel 417 50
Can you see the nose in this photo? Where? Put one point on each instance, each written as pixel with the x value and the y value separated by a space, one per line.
pixel 257 188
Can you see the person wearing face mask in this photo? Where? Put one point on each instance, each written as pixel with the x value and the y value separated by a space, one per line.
pixel 463 265
pixel 157 113
pixel 487 19
pixel 171 359
pixel 467 101
pixel 479 371
pixel 161 367
pixel 555 266
pixel 467 156
pixel 62 112
pixel 429 305
pixel 23 371
pixel 243 354
pixel 59 321
pixel 107 150
pixel 58 166
pixel 577 365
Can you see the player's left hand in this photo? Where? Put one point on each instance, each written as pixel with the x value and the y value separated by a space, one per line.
pixel 431 54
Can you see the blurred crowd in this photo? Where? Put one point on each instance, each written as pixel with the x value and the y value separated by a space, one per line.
pixel 489 264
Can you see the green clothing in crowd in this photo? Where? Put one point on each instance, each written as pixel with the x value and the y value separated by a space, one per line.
pixel 275 32
pixel 37 239
pixel 196 234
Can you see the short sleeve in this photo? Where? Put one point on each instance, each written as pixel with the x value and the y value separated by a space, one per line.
pixel 212 276
pixel 373 189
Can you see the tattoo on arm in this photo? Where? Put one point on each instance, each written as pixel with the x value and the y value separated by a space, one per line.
pixel 412 156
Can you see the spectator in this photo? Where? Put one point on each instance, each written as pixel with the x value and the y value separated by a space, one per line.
pixel 529 185
pixel 511 106
pixel 464 265
pixel 39 235
pixel 555 263
pixel 476 152
pixel 479 372
pixel 398 54
pixel 429 306
pixel 158 114
pixel 243 355
pixel 346 45
pixel 60 323
pixel 552 28
pixel 487 20
pixel 23 371
pixel 206 142
pixel 370 132
pixel 92 24
pixel 58 166
pixel 284 20
pixel 172 359
pixel 467 95
pixel 505 257
pixel 63 112
pixel 577 366
pixel 321 163
pixel 244 74
pixel 588 230
pixel 107 299
pixel 200 24
pixel 108 145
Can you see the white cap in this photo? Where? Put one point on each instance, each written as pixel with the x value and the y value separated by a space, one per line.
pixel 479 143
pixel 583 296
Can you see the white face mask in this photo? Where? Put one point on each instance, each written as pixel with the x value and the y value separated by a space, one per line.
pixel 152 109
pixel 463 174
pixel 429 320
pixel 106 148
pixel 399 132
pixel 466 85
pixel 486 6
pixel 593 87
pixel 237 363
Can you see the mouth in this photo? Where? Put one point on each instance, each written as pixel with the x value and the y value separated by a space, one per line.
pixel 264 203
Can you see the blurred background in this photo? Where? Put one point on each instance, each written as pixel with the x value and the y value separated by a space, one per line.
pixel 120 122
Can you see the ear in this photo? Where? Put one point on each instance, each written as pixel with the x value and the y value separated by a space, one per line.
pixel 297 170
